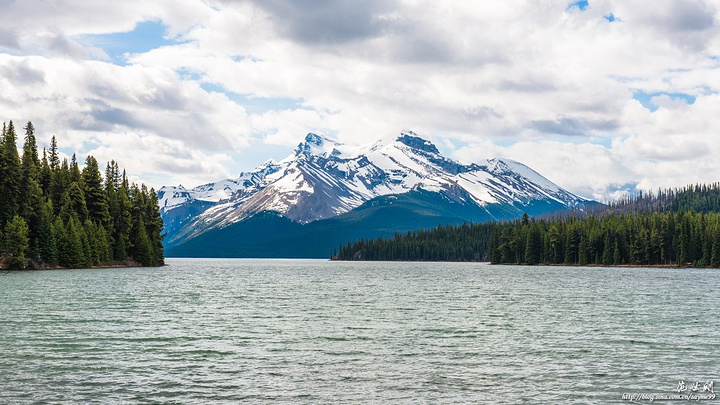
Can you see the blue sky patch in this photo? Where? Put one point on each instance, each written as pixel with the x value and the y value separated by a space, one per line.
pixel 256 105
pixel 582 5
pixel 146 36
pixel 646 98
pixel 610 17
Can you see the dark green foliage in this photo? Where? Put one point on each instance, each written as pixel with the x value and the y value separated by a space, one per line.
pixel 31 194
pixel 47 248
pixel 74 203
pixel 16 241
pixel 54 213
pixel 696 198
pixel 10 179
pixel 679 228
pixel 95 195
pixel 467 242
pixel 533 244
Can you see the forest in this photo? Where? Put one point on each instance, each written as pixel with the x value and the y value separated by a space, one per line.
pixel 679 227
pixel 56 214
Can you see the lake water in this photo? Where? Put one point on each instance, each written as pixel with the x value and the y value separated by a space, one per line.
pixel 311 331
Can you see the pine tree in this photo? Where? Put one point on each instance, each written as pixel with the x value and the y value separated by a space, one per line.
pixel 154 227
pixel 54 213
pixel 62 242
pixel 142 251
pixel 77 202
pixel 10 180
pixel 59 184
pixel 46 236
pixel 75 248
pixel 95 195
pixel 715 257
pixel 533 245
pixel 31 198
pixel 16 241
pixel 45 175
pixel 74 170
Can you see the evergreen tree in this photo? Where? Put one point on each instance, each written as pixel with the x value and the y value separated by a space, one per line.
pixel 123 222
pixel 16 241
pixel 62 242
pixel 142 251
pixel 45 175
pixel 76 199
pixel 46 236
pixel 74 170
pixel 533 245
pixel 75 246
pixel 59 184
pixel 95 195
pixel 10 180
pixel 31 198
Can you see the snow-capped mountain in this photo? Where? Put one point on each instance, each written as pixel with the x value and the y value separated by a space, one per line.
pixel 171 197
pixel 323 178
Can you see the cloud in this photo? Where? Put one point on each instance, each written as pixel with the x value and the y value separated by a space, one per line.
pixel 21 73
pixel 9 39
pixel 571 126
pixel 328 22
pixel 540 82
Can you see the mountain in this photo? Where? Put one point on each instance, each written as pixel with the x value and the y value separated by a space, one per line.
pixel 326 193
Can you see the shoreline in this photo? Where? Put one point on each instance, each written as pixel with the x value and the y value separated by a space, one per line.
pixel 638 266
pixel 107 265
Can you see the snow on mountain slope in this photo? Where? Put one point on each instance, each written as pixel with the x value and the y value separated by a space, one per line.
pixel 171 197
pixel 323 178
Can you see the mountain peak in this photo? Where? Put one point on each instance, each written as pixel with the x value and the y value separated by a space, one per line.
pixel 503 166
pixel 324 178
pixel 411 139
pixel 319 145
pixel 314 139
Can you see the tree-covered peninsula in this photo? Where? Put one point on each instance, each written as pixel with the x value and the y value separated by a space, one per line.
pixel 54 213
pixel 671 228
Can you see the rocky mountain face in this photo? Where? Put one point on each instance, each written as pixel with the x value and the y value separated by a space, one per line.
pixel 323 179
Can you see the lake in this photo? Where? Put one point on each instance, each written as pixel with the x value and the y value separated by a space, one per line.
pixel 314 331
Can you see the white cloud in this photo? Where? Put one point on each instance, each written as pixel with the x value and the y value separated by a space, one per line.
pixel 533 81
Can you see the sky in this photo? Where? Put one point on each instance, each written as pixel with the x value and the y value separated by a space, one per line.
pixel 600 96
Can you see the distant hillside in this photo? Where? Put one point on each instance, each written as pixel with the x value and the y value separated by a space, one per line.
pixel 674 227
pixel 696 198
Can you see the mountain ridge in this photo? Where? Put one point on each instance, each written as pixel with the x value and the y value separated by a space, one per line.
pixel 323 178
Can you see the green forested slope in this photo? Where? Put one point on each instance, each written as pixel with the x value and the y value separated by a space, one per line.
pixel 673 227
pixel 54 213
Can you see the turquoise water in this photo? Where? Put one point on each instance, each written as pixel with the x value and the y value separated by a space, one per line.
pixel 310 331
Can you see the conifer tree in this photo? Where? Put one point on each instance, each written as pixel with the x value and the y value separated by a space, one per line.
pixel 715 254
pixel 533 245
pixel 95 195
pixel 16 241
pixel 75 246
pixel 74 170
pixel 10 180
pixel 46 236
pixel 31 198
pixel 76 199
pixel 45 174
pixel 62 242
pixel 57 214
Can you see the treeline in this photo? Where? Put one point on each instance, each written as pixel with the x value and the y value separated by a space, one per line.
pixel 467 242
pixel 682 238
pixel 54 213
pixel 674 227
pixel 696 198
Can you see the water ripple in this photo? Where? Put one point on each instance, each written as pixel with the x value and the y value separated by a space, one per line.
pixel 299 331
